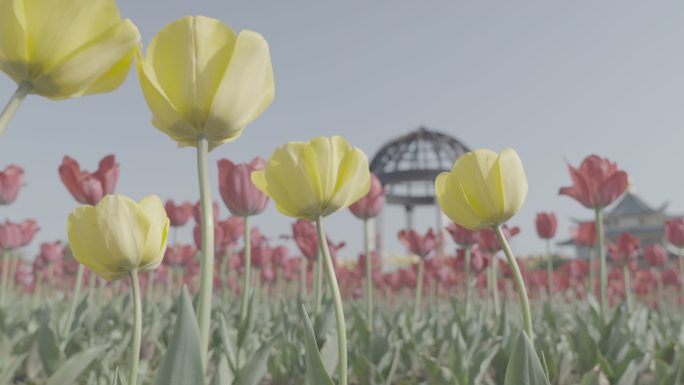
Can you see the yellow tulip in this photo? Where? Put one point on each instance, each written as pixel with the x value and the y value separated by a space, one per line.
pixel 119 235
pixel 202 79
pixel 314 179
pixel 483 189
pixel 65 49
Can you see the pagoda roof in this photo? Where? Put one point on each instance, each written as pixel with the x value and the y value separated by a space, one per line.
pixel 631 204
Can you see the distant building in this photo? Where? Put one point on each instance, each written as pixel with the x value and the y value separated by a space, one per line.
pixel 630 215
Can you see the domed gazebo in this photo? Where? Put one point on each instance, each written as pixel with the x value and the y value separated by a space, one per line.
pixel 408 165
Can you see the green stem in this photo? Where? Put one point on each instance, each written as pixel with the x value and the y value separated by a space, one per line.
pixel 74 301
pixel 4 278
pixel 627 277
pixel 137 328
pixel 681 273
pixel 369 274
pixel 337 302
pixel 466 251
pixel 519 282
pixel 247 285
pixel 494 283
pixel 11 283
pixel 603 270
pixel 549 269
pixel 419 290
pixel 207 261
pixel 592 272
pixel 318 283
pixel 13 105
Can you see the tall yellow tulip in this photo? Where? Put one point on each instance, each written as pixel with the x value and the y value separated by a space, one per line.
pixel 203 84
pixel 483 189
pixel 119 237
pixel 312 180
pixel 202 79
pixel 63 49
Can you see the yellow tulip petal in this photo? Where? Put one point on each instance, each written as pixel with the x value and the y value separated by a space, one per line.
pixel 454 203
pixel 58 28
pixel 289 182
pixel 84 66
pixel 189 58
pixel 353 181
pixel 164 115
pixel 512 182
pixel 472 171
pixel 155 245
pixel 246 89
pixel 88 246
pixel 13 50
pixel 123 227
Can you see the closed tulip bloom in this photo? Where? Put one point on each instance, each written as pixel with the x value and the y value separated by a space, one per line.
pixel 28 228
pixel 674 232
pixel 483 189
pixel 11 180
pixel 178 214
pixel 314 179
pixel 546 224
pixel 233 229
pixel 596 183
pixel 218 237
pixel 119 235
pixel 461 236
pixel 51 252
pixel 10 235
pixel 304 235
pixel 625 249
pixel 370 205
pixel 66 49
pixel 202 79
pixel 585 234
pixel 655 255
pixel 237 190
pixel 89 188
pixel 418 244
pixel 197 212
pixel 488 242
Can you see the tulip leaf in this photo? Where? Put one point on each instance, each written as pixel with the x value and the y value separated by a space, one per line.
pixel 182 363
pixel 247 324
pixel 524 366
pixel 255 367
pixel 590 378
pixel 223 376
pixel 49 352
pixel 75 366
pixel 316 374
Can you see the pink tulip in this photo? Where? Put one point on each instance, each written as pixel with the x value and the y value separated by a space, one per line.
pixel 179 255
pixel 178 214
pixel 51 252
pixel 489 243
pixel 11 180
pixel 306 238
pixel 625 250
pixel 280 256
pixel 461 236
pixel 218 237
pixel 671 276
pixel 29 227
pixel 233 229
pixel 674 232
pixel 655 255
pixel 197 211
pixel 370 205
pixel 86 187
pixel 10 235
pixel 547 225
pixel 418 244
pixel 577 269
pixel 585 234
pixel 237 190
pixel 597 182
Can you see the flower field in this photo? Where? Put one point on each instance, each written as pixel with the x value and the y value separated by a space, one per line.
pixel 121 301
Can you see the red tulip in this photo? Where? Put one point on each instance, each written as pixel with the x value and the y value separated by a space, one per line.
pixel 280 256
pixel 218 237
pixel 86 187
pixel 178 214
pixel 674 232
pixel 576 269
pixel 179 255
pixel 418 244
pixel 233 229
pixel 625 250
pixel 11 180
pixel 597 182
pixel 478 260
pixel 10 235
pixel 237 190
pixel 370 205
pixel 585 234
pixel 51 252
pixel 671 276
pixel 655 255
pixel 461 236
pixel 547 225
pixel 197 211
pixel 489 243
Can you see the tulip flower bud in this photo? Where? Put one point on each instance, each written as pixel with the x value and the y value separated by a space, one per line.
pixel 11 180
pixel 237 190
pixel 370 205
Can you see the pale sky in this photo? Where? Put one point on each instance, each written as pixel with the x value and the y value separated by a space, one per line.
pixel 554 80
